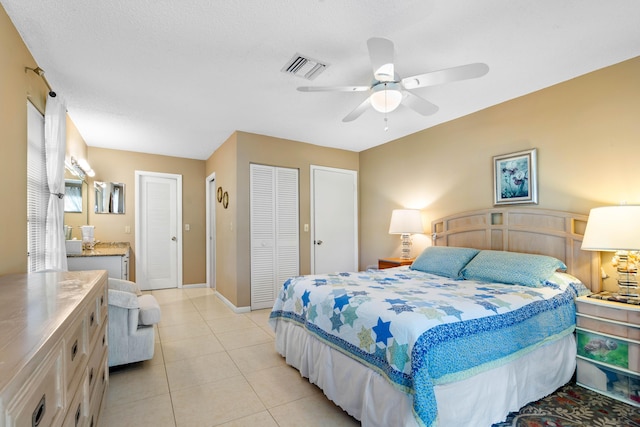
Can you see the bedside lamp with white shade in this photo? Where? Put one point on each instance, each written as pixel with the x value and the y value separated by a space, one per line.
pixel 617 229
pixel 406 222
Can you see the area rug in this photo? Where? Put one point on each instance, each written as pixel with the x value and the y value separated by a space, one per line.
pixel 574 406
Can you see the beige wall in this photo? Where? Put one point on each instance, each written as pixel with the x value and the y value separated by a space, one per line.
pixel 260 149
pixel 15 87
pixel 120 166
pixel 586 130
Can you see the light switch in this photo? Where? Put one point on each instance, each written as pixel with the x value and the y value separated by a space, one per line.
pixel 127 229
pixel 306 228
pixel 187 227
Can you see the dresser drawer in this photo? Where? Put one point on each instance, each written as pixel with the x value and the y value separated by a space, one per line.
pixel 610 311
pixel 75 354
pixel 40 401
pixel 616 328
pixel 608 349
pixel 76 414
pixel 612 382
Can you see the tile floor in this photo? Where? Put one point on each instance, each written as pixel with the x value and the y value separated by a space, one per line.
pixel 213 367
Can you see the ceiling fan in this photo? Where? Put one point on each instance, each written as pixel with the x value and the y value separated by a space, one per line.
pixel 388 90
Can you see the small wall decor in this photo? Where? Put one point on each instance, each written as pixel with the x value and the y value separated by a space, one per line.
pixel 515 178
pixel 219 195
pixel 225 200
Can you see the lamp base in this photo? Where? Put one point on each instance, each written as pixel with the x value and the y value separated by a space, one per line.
pixel 406 246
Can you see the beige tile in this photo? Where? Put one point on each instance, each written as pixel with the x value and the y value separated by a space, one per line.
pixel 158 357
pixel 191 347
pixel 256 357
pixel 152 412
pixel 231 323
pixel 183 331
pixel 243 338
pixel 217 313
pixel 177 317
pixel 183 305
pixel 198 292
pixel 269 331
pixel 280 385
pixel 312 411
pixel 260 317
pixel 169 295
pixel 208 302
pixel 215 403
pixel 134 382
pixel 262 419
pixel 200 370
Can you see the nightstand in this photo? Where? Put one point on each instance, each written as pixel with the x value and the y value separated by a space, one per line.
pixel 393 262
pixel 608 340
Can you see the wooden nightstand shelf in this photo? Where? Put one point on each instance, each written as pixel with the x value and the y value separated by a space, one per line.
pixel 608 339
pixel 393 262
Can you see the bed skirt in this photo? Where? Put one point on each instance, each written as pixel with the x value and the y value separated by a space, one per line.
pixel 481 400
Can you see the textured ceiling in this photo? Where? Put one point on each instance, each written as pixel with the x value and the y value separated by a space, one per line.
pixel 178 78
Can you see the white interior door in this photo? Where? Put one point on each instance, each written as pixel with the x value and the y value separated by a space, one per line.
pixel 334 220
pixel 158 230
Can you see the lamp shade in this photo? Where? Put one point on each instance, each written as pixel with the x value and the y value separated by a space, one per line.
pixel 406 221
pixel 613 228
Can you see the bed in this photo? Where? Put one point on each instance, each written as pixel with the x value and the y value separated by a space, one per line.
pixel 481 324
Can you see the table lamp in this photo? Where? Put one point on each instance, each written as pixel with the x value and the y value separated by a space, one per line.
pixel 406 222
pixel 617 229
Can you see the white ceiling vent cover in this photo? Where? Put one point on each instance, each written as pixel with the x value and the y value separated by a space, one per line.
pixel 304 67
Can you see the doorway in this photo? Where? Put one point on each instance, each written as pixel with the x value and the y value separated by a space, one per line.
pixel 334 220
pixel 158 230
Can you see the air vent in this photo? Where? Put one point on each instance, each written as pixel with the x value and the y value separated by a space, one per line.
pixel 304 67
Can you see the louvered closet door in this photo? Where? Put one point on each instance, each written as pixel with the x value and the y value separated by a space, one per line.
pixel 274 231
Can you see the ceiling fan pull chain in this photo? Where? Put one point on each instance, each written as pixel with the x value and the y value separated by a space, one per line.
pixel 386 122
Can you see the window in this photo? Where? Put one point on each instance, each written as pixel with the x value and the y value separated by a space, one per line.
pixel 37 189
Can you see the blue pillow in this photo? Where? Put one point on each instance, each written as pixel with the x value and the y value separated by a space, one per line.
pixel 444 260
pixel 512 268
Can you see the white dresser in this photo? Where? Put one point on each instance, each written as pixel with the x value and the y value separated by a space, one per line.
pixel 53 349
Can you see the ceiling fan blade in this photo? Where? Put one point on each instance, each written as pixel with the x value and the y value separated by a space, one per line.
pixel 333 88
pixel 418 104
pixel 381 53
pixel 357 112
pixel 463 72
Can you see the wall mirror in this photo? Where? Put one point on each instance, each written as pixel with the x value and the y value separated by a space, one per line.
pixel 73 195
pixel 109 197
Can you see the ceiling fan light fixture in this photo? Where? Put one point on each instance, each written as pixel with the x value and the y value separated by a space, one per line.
pixel 386 97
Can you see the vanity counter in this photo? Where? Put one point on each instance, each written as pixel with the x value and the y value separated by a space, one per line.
pixel 113 257
pixel 105 249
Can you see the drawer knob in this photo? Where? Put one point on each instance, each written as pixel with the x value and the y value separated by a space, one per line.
pixel 91 376
pixel 38 413
pixel 78 413
pixel 91 319
pixel 74 350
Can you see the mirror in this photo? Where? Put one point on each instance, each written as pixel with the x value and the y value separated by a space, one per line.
pixel 109 197
pixel 73 195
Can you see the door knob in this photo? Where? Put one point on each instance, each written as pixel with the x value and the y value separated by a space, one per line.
pixel 174 238
pixel 318 242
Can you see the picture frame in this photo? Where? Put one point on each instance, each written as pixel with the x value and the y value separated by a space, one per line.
pixel 515 178
pixel 219 194
pixel 225 200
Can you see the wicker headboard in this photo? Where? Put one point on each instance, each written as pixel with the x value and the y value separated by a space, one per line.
pixel 537 231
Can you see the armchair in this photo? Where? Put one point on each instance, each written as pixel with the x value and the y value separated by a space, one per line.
pixel 131 319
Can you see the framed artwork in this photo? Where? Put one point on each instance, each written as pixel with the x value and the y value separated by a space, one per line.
pixel 225 200
pixel 219 195
pixel 515 178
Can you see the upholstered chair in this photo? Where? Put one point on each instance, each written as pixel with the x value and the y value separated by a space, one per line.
pixel 131 319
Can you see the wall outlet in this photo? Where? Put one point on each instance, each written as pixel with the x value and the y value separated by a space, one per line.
pixel 127 229
pixel 187 227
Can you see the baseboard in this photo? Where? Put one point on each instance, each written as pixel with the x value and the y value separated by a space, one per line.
pixel 235 309
pixel 195 285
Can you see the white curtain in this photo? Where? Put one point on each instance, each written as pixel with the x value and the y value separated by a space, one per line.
pixel 55 139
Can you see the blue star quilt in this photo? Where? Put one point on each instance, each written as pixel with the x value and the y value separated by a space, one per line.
pixel 418 330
